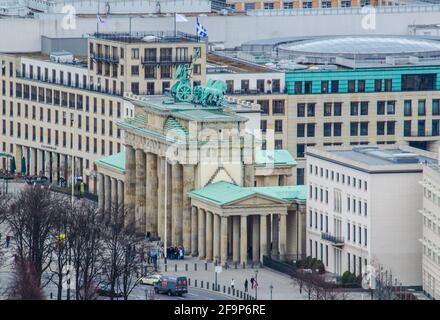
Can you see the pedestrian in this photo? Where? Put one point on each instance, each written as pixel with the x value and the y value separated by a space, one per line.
pixel 246 285
pixel 232 283
pixel 252 282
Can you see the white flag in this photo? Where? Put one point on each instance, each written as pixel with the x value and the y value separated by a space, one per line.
pixel 181 18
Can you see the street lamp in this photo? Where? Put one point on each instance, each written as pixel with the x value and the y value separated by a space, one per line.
pixel 271 288
pixel 256 284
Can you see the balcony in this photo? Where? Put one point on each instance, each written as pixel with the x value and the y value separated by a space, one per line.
pixel 168 61
pixel 104 58
pixel 335 240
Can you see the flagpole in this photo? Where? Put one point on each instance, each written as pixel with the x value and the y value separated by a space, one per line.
pixel 97 21
pixel 175 26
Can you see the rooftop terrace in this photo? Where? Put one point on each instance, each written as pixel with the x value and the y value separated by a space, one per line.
pixel 146 37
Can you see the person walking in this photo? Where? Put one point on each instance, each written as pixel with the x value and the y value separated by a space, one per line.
pixel 252 282
pixel 246 285
pixel 232 284
pixel 8 240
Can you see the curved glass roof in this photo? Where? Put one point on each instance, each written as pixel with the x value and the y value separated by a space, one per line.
pixel 365 45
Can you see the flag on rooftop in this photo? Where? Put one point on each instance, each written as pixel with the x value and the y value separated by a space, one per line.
pixel 201 31
pixel 99 19
pixel 181 18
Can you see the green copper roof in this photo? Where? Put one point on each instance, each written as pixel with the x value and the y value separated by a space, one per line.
pixel 115 161
pixel 173 124
pixel 185 110
pixel 275 157
pixel 222 192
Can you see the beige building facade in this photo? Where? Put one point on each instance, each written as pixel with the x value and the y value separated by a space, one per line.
pixel 431 231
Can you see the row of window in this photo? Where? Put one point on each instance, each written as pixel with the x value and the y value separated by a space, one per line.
pixel 306 4
pixel 431 254
pixel 272 86
pixel 409 82
pixel 77 123
pixel 355 234
pixel 432 196
pixel 361 108
pixel 63 99
pixel 47 137
pixel 338 177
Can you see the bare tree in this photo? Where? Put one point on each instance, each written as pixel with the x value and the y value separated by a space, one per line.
pixel 60 273
pixel 121 260
pixel 31 217
pixel 87 249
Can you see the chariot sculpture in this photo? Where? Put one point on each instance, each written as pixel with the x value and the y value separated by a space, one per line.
pixel 211 95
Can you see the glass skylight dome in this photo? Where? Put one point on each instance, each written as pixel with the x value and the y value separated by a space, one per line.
pixel 363 46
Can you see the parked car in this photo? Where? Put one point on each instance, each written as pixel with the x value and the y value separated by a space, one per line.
pixel 171 285
pixel 150 279
pixel 105 291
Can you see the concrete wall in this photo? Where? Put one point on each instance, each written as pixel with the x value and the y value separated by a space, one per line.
pixel 396 225
pixel 77 46
pixel 232 30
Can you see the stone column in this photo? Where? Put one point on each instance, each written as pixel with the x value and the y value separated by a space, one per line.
pixel 283 236
pixel 161 197
pixel 217 237
pixel 236 239
pixel 243 240
pixel 269 233
pixel 18 154
pixel 249 175
pixel 263 237
pixel 114 198
pixel 209 246
pixel 194 231
pixel 188 185
pixel 121 195
pixel 169 193
pixel 32 161
pixel 224 240
pixel 40 162
pixel 101 191
pixel 202 233
pixel 177 191
pixel 230 232
pixel 151 201
pixel 140 191
pixel 107 194
pixel 130 185
pixel 275 235
pixel 255 238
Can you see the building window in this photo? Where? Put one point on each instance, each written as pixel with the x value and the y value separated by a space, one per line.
pixel 324 86
pixel 335 86
pixel 300 148
pixel 380 128
pixel 310 130
pixel 278 126
pixel 278 107
pixel 353 128
pixel 380 107
pixel 300 130
pixel 327 129
pixel 351 86
pixel 422 107
pixel 378 85
pixel 308 87
pixel 310 109
pixel 301 107
pixel 407 108
pixel 354 108
pixel 337 129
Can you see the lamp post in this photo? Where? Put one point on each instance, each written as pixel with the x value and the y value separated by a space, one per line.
pixel 256 284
